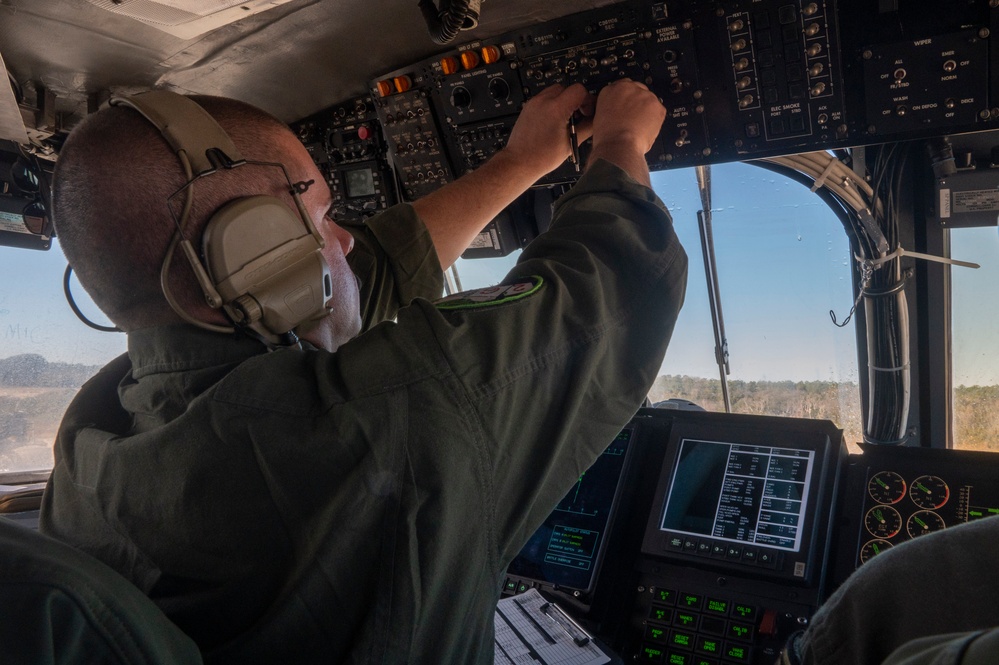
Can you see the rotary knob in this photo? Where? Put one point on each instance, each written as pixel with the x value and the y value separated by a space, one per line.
pixel 461 98
pixel 499 89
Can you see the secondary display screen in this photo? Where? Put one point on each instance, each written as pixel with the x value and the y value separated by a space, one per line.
pixel 747 494
pixel 566 550
pixel 360 182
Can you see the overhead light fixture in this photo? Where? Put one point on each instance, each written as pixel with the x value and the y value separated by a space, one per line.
pixel 187 19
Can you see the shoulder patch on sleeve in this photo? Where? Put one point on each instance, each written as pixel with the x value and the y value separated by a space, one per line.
pixel 511 290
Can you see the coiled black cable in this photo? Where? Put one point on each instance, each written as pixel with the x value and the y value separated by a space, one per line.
pixel 445 23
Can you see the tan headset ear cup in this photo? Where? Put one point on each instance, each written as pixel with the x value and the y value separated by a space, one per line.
pixel 257 246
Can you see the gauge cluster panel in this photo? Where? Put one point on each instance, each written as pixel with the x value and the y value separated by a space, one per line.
pixel 899 494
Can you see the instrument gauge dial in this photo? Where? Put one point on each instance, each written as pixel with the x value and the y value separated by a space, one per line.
pixel 872 548
pixel 886 487
pixel 883 521
pixel 929 492
pixel 924 522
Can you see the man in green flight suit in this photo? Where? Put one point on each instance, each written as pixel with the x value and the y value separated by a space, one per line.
pixel 356 499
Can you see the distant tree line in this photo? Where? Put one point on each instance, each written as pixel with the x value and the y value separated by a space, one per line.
pixel 976 417
pixel 976 408
pixel 30 370
pixel 826 400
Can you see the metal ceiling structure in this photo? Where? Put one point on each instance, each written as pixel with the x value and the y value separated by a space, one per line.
pixel 292 60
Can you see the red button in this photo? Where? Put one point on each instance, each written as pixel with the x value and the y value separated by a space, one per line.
pixel 768 626
pixel 363 132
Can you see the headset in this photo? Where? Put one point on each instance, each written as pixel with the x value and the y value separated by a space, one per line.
pixel 261 262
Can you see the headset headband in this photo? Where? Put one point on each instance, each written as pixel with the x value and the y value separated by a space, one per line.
pixel 187 127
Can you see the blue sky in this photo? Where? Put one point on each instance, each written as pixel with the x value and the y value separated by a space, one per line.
pixel 34 316
pixel 975 307
pixel 782 265
pixel 782 261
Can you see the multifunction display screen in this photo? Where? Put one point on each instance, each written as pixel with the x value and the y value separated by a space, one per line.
pixel 566 550
pixel 360 182
pixel 747 494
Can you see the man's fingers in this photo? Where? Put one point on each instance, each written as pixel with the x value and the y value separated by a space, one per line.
pixel 563 102
pixel 629 81
pixel 589 106
pixel 554 90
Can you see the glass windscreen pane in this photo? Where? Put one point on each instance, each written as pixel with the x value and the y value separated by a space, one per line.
pixel 975 348
pixel 46 354
pixel 783 264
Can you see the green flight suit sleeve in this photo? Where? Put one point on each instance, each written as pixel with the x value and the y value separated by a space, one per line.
pixel 852 626
pixel 975 648
pixel 395 261
pixel 553 370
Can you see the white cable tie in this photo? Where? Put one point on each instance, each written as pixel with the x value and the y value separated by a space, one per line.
pixel 877 263
pixel 940 259
pixel 821 180
pixel 900 252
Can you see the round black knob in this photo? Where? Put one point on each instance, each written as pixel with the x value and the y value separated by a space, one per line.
pixel 461 98
pixel 499 89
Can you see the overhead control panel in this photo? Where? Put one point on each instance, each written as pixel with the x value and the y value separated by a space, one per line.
pixel 937 81
pixel 740 79
pixel 347 145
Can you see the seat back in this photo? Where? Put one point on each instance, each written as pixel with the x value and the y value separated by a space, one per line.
pixel 61 606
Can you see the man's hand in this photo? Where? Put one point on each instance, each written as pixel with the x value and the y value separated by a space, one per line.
pixel 627 121
pixel 540 138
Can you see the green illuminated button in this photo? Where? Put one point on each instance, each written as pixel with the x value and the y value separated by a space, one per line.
pixel 651 654
pixel 747 612
pixel 675 542
pixel 660 614
pixel 740 631
pixel 685 619
pixel 682 639
pixel 708 645
pixel 717 606
pixel 510 586
pixel 676 658
pixel 701 660
pixel 667 596
pixel 656 634
pixel 690 600
pixel 522 587
pixel 737 652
